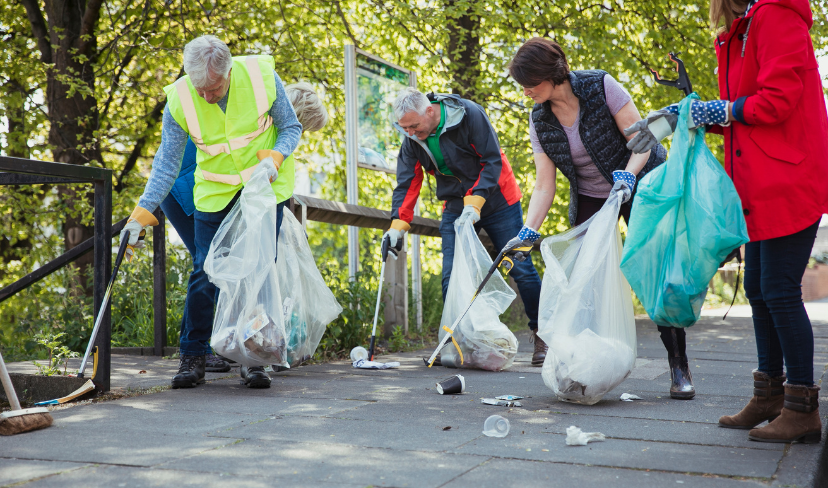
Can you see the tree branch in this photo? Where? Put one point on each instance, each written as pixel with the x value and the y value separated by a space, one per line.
pixel 346 24
pixel 152 119
pixel 90 19
pixel 38 29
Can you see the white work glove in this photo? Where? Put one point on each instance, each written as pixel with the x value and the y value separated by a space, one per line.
pixel 394 237
pixel 270 160
pixel 471 210
pixel 139 220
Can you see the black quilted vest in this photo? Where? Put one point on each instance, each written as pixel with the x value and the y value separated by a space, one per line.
pixel 605 144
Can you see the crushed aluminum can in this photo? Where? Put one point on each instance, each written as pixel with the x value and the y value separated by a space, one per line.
pixel 510 398
pixel 500 403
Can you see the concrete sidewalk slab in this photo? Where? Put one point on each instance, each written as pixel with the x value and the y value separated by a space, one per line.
pixel 332 425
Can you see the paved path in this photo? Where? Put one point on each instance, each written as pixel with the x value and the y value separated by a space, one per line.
pixel 331 425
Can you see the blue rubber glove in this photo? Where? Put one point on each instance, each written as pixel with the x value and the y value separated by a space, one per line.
pixel 661 123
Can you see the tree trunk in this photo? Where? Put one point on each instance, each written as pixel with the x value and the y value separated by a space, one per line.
pixel 68 43
pixel 464 53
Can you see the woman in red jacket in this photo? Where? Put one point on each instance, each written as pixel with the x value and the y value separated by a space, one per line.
pixel 773 118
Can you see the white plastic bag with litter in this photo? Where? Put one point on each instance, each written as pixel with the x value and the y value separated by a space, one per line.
pixel 308 305
pixel 248 326
pixel 577 437
pixel 485 342
pixel 586 313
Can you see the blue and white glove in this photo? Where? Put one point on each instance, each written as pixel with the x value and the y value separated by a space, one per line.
pixel 661 123
pixel 625 179
pixel 517 246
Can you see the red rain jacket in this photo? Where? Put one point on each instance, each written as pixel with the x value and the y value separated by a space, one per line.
pixel 776 152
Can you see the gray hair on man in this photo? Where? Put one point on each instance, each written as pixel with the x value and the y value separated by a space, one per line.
pixel 206 60
pixel 308 106
pixel 410 100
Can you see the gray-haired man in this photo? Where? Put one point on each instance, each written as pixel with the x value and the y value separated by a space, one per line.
pixel 237 114
pixel 452 139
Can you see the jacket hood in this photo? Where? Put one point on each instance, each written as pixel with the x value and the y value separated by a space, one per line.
pixel 801 7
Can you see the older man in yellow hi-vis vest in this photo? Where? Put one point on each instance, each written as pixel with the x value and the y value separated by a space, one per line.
pixel 236 112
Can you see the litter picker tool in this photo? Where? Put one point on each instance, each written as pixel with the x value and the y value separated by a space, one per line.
pixel 20 420
pixel 91 349
pixel 520 253
pixel 683 81
pixel 385 248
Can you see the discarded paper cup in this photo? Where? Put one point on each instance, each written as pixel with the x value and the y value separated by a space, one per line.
pixel 358 353
pixel 496 426
pixel 450 386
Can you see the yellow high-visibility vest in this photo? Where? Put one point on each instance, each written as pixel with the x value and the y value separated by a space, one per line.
pixel 227 142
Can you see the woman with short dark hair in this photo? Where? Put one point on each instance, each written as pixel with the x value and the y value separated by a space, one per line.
pixel 576 127
pixel 773 118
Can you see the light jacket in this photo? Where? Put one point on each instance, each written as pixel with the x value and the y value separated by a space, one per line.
pixel 776 151
pixel 227 142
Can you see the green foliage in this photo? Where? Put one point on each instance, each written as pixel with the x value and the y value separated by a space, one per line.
pixel 58 353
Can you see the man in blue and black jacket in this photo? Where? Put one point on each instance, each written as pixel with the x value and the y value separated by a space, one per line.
pixel 452 139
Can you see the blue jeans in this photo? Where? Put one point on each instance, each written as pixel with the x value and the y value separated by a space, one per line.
pixel 183 224
pixel 501 226
pixel 773 285
pixel 201 293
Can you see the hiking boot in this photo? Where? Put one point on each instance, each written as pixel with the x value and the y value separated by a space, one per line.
pixel 214 364
pixel 681 386
pixel 190 372
pixel 798 421
pixel 766 404
pixel 255 377
pixel 540 349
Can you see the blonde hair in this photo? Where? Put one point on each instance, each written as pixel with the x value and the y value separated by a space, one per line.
pixel 725 12
pixel 309 108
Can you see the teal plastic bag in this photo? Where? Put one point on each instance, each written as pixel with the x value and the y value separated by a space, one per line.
pixel 686 218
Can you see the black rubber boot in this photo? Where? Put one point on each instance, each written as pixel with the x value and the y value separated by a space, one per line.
pixel 214 364
pixel 255 377
pixel 190 372
pixel 681 384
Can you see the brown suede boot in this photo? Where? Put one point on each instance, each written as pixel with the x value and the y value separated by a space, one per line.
pixel 540 349
pixel 766 404
pixel 799 420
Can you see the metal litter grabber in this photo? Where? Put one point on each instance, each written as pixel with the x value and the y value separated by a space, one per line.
pixel 384 250
pixel 91 348
pixel 521 252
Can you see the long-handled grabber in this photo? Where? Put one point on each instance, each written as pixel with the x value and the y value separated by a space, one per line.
pixel 519 252
pixel 107 296
pixel 384 250
pixel 683 81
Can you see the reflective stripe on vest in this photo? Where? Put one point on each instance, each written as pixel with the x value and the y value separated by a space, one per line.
pixel 265 120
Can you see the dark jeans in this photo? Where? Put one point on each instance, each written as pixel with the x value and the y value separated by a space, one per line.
pixel 201 293
pixel 773 285
pixel 501 226
pixel 183 224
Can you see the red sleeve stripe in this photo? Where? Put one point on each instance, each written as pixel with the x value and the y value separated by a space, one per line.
pixel 406 210
pixel 507 182
pixel 477 181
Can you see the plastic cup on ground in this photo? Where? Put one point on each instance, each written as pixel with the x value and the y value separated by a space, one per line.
pixel 496 426
pixel 358 353
pixel 450 386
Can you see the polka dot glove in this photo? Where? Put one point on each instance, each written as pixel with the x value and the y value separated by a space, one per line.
pixel 528 234
pixel 624 176
pixel 709 113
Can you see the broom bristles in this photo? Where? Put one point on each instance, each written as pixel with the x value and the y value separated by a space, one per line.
pixel 19 421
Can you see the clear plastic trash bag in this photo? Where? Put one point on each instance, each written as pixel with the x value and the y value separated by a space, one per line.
pixel 586 312
pixel 485 342
pixel 686 218
pixel 308 305
pixel 248 326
